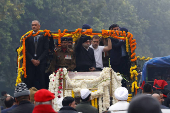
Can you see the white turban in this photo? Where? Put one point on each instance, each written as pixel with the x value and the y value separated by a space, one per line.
pixel 121 93
pixel 84 93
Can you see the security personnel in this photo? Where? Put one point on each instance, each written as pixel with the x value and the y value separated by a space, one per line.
pixel 70 42
pixel 63 57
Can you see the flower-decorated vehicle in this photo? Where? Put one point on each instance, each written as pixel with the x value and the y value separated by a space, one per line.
pixel 102 86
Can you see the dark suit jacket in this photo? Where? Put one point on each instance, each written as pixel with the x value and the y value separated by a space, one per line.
pixel 84 59
pixel 23 107
pixel 116 51
pixel 42 49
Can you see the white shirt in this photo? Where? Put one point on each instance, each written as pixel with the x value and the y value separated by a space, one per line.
pixel 119 106
pixel 98 56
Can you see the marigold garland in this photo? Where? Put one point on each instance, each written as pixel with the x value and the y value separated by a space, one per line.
pixel 143 58
pixel 130 42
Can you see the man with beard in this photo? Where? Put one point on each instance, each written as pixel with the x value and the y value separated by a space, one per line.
pixel 85 60
pixel 98 51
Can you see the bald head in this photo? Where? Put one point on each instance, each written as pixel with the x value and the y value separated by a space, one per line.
pixel 157 96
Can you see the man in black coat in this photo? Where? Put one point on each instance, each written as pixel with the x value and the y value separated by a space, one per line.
pixel 116 51
pixel 68 105
pixel 36 54
pixel 85 60
pixel 22 99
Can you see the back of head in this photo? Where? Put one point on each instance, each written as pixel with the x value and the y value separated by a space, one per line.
pixel 3 93
pixel 67 101
pixel 9 101
pixel 121 93
pixel 21 92
pixel 123 29
pixel 33 90
pixel 86 26
pixel 85 94
pixel 43 95
pixel 147 88
pixel 144 104
pixel 113 26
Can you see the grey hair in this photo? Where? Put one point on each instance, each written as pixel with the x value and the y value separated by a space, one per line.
pixel 40 103
pixel 36 21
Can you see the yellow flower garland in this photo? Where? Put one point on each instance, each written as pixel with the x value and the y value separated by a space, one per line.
pixel 134 86
pixel 72 93
pixel 94 102
pixel 143 58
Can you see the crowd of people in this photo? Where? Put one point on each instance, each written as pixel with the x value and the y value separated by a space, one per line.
pixel 40 101
pixel 87 54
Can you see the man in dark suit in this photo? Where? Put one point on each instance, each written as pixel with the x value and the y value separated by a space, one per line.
pixel 36 53
pixel 116 51
pixel 85 60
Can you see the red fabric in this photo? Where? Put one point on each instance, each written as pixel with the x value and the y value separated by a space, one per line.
pixel 43 95
pixel 160 83
pixel 43 109
pixel 164 95
pixel 143 83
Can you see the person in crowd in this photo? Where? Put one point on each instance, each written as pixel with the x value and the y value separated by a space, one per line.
pixel 121 94
pixel 36 56
pixel 2 99
pixel 116 51
pixel 144 104
pixel 158 97
pixel 125 61
pixel 1 108
pixel 68 105
pixel 70 42
pixel 43 101
pixel 63 57
pixel 10 104
pixel 85 27
pixel 85 60
pixel 33 90
pixel 9 101
pixel 147 89
pixel 85 106
pixel 98 51
pixel 114 27
pixel 161 85
pixel 139 75
pixel 22 99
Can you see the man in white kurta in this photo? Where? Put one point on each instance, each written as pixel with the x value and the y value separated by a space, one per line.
pixel 121 94
pixel 98 51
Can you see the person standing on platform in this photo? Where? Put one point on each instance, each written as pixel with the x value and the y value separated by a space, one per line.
pixel 116 51
pixel 70 42
pixel 98 51
pixel 63 57
pixel 36 53
pixel 85 60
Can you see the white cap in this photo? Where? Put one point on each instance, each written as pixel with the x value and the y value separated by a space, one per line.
pixel 84 93
pixel 121 93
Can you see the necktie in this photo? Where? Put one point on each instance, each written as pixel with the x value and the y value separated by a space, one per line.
pixel 35 42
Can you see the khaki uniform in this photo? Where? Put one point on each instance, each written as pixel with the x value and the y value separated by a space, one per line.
pixel 63 59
